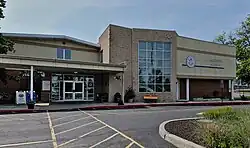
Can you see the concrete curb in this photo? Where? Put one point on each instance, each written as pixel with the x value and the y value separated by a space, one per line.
pixel 128 106
pixel 175 140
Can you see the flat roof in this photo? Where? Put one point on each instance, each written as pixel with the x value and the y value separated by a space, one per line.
pixel 48 36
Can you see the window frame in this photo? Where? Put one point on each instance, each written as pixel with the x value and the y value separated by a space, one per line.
pixel 64 54
pixel 146 66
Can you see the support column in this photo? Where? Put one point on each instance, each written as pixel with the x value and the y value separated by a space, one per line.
pixel 31 82
pixel 177 90
pixel 123 87
pixel 232 89
pixel 187 89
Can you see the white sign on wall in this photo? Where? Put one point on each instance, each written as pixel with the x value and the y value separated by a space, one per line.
pixel 46 86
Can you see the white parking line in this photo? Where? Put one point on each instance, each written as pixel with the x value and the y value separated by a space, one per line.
pixel 72 140
pixel 104 140
pixel 52 132
pixel 113 129
pixel 76 128
pixel 70 121
pixel 13 119
pixel 25 143
pixel 130 144
pixel 66 117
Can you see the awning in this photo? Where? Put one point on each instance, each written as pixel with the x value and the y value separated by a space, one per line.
pixel 43 63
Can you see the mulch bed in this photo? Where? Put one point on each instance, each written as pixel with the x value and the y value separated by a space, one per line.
pixel 186 129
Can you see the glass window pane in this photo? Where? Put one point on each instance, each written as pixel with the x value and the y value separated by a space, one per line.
pixel 166 79
pixel 167 55
pixel 159 45
pixel 67 54
pixel 142 63
pixel 159 54
pixel 167 88
pixel 151 63
pixel 68 77
pixel 150 54
pixel 68 96
pixel 158 87
pixel 78 87
pixel 158 71
pixel 143 87
pixel 167 71
pixel 151 87
pixel 159 63
pixel 142 54
pixel 151 79
pixel 142 45
pixel 68 87
pixel 159 79
pixel 143 79
pixel 59 53
pixel 150 46
pixel 167 46
pixel 151 71
pixel 167 63
pixel 143 71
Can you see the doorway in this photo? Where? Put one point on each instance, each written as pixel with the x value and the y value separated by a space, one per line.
pixel 73 90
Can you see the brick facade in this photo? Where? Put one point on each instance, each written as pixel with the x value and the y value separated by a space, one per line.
pixel 123 43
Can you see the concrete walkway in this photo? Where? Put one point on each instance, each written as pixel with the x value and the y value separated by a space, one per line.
pixel 5 109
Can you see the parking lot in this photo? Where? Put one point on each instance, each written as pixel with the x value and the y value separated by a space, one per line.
pixel 60 129
pixel 133 128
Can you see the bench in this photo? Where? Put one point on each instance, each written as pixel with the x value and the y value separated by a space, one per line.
pixel 150 98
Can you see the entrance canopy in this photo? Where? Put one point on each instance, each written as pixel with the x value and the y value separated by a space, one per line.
pixel 55 64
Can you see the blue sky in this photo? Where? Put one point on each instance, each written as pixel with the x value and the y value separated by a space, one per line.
pixel 87 19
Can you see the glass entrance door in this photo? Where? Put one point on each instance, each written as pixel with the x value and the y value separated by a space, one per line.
pixel 73 90
pixel 68 90
pixel 78 90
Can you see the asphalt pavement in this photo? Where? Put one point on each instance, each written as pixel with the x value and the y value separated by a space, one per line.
pixel 103 129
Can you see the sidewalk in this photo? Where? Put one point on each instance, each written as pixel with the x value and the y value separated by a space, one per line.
pixel 8 109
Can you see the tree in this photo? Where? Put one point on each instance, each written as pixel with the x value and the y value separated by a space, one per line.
pixel 6 45
pixel 240 39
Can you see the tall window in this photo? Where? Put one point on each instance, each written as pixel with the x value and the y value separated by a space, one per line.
pixel 154 66
pixel 64 54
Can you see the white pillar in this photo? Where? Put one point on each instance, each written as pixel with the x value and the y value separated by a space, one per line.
pixel 177 90
pixel 187 89
pixel 232 89
pixel 31 82
pixel 123 87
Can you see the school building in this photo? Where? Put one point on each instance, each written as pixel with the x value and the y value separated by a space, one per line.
pixel 152 62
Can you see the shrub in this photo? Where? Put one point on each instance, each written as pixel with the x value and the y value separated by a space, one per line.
pixel 227 132
pixel 129 94
pixel 117 96
pixel 219 113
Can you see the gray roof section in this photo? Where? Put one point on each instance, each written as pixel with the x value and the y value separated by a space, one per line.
pixel 48 36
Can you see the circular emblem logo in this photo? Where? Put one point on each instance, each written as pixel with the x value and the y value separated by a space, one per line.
pixel 190 61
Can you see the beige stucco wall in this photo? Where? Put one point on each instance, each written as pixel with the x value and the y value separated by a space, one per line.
pixel 205 59
pixel 104 41
pixel 204 46
pixel 34 51
pixel 43 51
pixel 205 54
